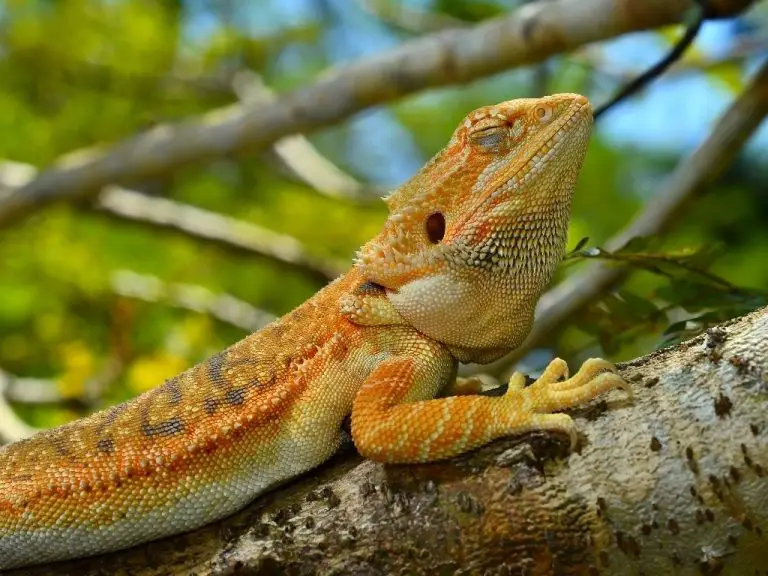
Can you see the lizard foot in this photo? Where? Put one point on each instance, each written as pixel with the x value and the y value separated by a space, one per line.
pixel 531 408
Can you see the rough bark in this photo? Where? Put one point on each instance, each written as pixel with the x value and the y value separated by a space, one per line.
pixel 672 482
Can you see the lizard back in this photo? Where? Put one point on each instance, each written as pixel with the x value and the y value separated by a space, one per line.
pixel 193 450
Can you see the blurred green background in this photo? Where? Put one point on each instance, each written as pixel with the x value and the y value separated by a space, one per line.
pixel 101 308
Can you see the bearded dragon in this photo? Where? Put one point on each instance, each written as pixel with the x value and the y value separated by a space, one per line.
pixel 470 243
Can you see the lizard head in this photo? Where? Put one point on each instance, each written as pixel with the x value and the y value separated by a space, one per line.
pixel 473 239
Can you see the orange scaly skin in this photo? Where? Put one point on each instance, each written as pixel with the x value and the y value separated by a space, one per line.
pixel 471 242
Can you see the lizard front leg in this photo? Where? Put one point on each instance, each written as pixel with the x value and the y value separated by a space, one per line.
pixel 368 305
pixel 395 419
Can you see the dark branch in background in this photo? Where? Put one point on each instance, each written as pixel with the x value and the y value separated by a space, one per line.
pixel 592 58
pixel 529 35
pixel 558 306
pixel 702 13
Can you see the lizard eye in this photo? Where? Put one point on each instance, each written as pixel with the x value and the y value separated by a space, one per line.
pixel 435 226
pixel 490 137
pixel 543 114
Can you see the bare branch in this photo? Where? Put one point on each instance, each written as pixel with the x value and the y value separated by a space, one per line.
pixel 24 390
pixel 197 223
pixel 534 32
pixel 12 428
pixel 297 154
pixel 224 307
pixel 691 175
pixel 229 232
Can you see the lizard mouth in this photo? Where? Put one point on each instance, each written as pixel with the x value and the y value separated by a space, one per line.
pixel 580 112
pixel 518 188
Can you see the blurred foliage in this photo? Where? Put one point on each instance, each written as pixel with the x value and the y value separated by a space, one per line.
pixel 80 73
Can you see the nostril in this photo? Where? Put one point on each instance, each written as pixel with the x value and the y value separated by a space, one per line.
pixel 369 287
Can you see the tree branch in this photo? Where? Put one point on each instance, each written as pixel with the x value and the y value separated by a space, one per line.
pixel 299 157
pixel 530 34
pixel 223 307
pixel 673 482
pixel 197 223
pixel 705 165
pixel 226 231
pixel 674 55
pixel 24 390
pixel 12 428
pixel 595 58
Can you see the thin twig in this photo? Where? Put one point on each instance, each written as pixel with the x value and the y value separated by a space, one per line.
pixel 651 262
pixel 593 59
pixel 658 69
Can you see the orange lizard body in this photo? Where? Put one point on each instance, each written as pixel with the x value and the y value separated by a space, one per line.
pixel 470 244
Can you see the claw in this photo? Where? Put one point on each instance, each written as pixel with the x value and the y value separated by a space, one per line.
pixel 539 406
pixel 608 367
pixel 574 439
pixel 516 383
pixel 593 365
pixel 624 385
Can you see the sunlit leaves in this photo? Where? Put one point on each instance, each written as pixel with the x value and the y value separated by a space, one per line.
pixel 689 299
pixel 77 365
pixel 149 371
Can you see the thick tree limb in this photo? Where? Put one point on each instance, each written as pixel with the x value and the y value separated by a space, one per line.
pixel 707 163
pixel 530 34
pixel 674 481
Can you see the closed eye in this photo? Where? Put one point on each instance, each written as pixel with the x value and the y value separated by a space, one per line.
pixel 491 137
